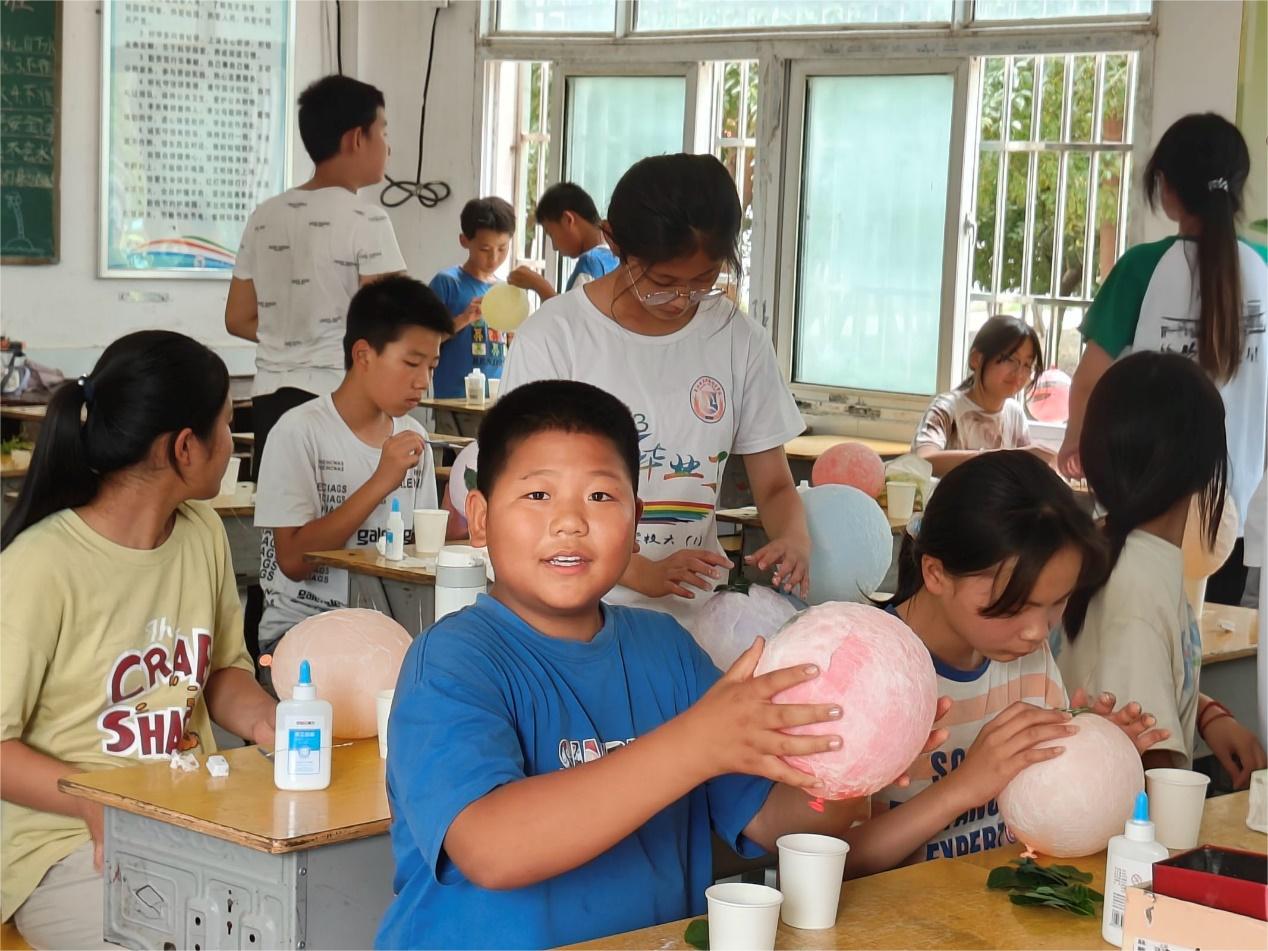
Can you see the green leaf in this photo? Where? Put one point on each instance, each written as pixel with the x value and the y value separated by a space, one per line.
pixel 697 934
pixel 1002 877
pixel 1054 886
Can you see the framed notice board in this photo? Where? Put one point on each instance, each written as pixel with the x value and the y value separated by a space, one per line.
pixel 30 92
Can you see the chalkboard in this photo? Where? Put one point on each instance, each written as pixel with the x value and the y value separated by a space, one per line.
pixel 30 92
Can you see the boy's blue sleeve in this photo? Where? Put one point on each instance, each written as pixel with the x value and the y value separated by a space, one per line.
pixel 447 290
pixel 453 740
pixel 736 798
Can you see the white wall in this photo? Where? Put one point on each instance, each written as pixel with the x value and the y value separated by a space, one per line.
pixel 66 314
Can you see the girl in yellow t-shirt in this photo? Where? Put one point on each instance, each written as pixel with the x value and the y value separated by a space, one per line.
pixel 121 637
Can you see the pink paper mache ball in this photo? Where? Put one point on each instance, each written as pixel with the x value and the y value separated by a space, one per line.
pixel 1074 804
pixel 850 463
pixel 881 675
pixel 353 654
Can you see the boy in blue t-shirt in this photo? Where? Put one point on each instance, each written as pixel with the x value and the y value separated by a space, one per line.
pixel 572 223
pixel 488 224
pixel 557 764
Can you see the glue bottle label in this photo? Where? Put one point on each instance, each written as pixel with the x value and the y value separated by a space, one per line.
pixel 303 754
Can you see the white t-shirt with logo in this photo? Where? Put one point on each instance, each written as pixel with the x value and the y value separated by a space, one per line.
pixel 306 251
pixel 312 463
pixel 1150 302
pixel 954 421
pixel 708 391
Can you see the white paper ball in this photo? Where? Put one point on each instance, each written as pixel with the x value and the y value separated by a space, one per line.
pixel 730 620
pixel 1074 804
pixel 850 540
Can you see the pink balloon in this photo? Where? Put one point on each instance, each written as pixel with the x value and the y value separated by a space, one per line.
pixel 353 653
pixel 1049 401
pixel 879 672
pixel 850 463
pixel 1072 805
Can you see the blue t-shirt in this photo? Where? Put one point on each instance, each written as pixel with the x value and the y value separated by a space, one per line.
pixel 478 345
pixel 596 262
pixel 484 700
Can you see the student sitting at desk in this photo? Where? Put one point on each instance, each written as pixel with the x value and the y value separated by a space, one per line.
pixel 557 763
pixel 121 636
pixel 982 413
pixel 334 465
pixel 488 225
pixel 570 220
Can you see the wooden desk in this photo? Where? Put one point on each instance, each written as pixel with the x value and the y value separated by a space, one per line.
pixel 243 439
pixel 25 412
pixel 457 406
pixel 195 861
pixel 1228 633
pixel 748 518
pixel 810 448
pixel 408 587
pixel 367 561
pixel 945 904
pixel 10 470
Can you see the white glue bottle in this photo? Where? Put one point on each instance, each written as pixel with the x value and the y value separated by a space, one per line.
pixel 1130 862
pixel 301 743
pixel 394 545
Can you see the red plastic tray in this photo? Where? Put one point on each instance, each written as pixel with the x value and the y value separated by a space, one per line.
pixel 1229 879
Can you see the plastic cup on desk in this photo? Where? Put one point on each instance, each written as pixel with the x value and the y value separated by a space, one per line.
pixel 495 385
pixel 474 387
pixel 901 498
pixel 429 530
pixel 383 709
pixel 810 871
pixel 1176 800
pixel 742 917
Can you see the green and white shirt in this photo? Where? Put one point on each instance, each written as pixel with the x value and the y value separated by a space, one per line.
pixel 1150 302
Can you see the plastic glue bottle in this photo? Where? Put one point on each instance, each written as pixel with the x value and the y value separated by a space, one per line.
pixel 301 745
pixel 394 544
pixel 1130 862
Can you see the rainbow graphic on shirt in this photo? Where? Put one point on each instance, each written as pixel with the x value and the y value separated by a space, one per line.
pixel 670 512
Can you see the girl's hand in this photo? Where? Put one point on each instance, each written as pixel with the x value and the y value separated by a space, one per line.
pixel 1130 718
pixel 94 815
pixel 936 738
pixel 697 567
pixel 737 728
pixel 1006 746
pixel 1068 463
pixel 1236 748
pixel 791 561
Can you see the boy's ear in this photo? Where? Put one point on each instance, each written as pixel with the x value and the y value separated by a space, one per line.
pixel 464 241
pixel 638 517
pixel 477 518
pixel 361 351
pixel 352 140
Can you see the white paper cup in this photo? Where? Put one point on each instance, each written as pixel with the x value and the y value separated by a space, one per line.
pixel 383 708
pixel 429 530
pixel 474 389
pixel 1176 800
pixel 495 385
pixel 229 481
pixel 901 498
pixel 742 917
pixel 810 871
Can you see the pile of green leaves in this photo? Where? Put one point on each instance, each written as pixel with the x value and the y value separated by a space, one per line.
pixel 697 934
pixel 1056 886
pixel 15 442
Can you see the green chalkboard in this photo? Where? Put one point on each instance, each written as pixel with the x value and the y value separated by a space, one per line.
pixel 30 92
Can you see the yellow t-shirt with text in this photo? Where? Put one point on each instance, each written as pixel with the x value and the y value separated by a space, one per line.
pixel 104 655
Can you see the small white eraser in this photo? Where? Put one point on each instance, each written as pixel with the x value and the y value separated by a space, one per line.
pixel 217 766
pixel 186 762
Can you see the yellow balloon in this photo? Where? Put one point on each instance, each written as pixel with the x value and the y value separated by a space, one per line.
pixel 504 307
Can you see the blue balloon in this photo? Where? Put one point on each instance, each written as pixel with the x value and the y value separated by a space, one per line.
pixel 850 543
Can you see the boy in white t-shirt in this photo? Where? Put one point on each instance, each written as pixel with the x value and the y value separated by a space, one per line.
pixel 335 464
pixel 305 252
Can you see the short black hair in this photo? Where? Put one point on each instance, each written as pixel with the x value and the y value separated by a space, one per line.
pixel 380 310
pixel 553 406
pixel 492 214
pixel 565 197
pixel 330 107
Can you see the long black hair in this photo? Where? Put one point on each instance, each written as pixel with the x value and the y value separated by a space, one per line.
pixel 1204 160
pixel 145 385
pixel 1000 509
pixel 1153 435
pixel 998 339
pixel 670 206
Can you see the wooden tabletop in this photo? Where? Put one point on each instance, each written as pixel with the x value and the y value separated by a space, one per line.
pixel 810 448
pixel 749 518
pixel 457 405
pixel 232 509
pixel 1228 632
pixel 10 470
pixel 367 561
pixel 27 412
pixel 945 903
pixel 245 807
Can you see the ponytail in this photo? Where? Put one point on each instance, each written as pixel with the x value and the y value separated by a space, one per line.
pixel 145 385
pixel 1153 435
pixel 1204 161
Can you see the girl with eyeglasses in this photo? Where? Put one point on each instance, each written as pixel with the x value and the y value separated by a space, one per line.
pixel 983 413
pixel 699 376
pixel 1199 293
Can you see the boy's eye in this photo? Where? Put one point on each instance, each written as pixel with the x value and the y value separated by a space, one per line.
pixel 537 496
pixel 413 363
pixel 602 497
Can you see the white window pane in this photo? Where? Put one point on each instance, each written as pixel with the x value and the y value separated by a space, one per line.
pixel 873 210
pixel 1048 9
pixel 556 16
pixel 613 121
pixel 773 14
